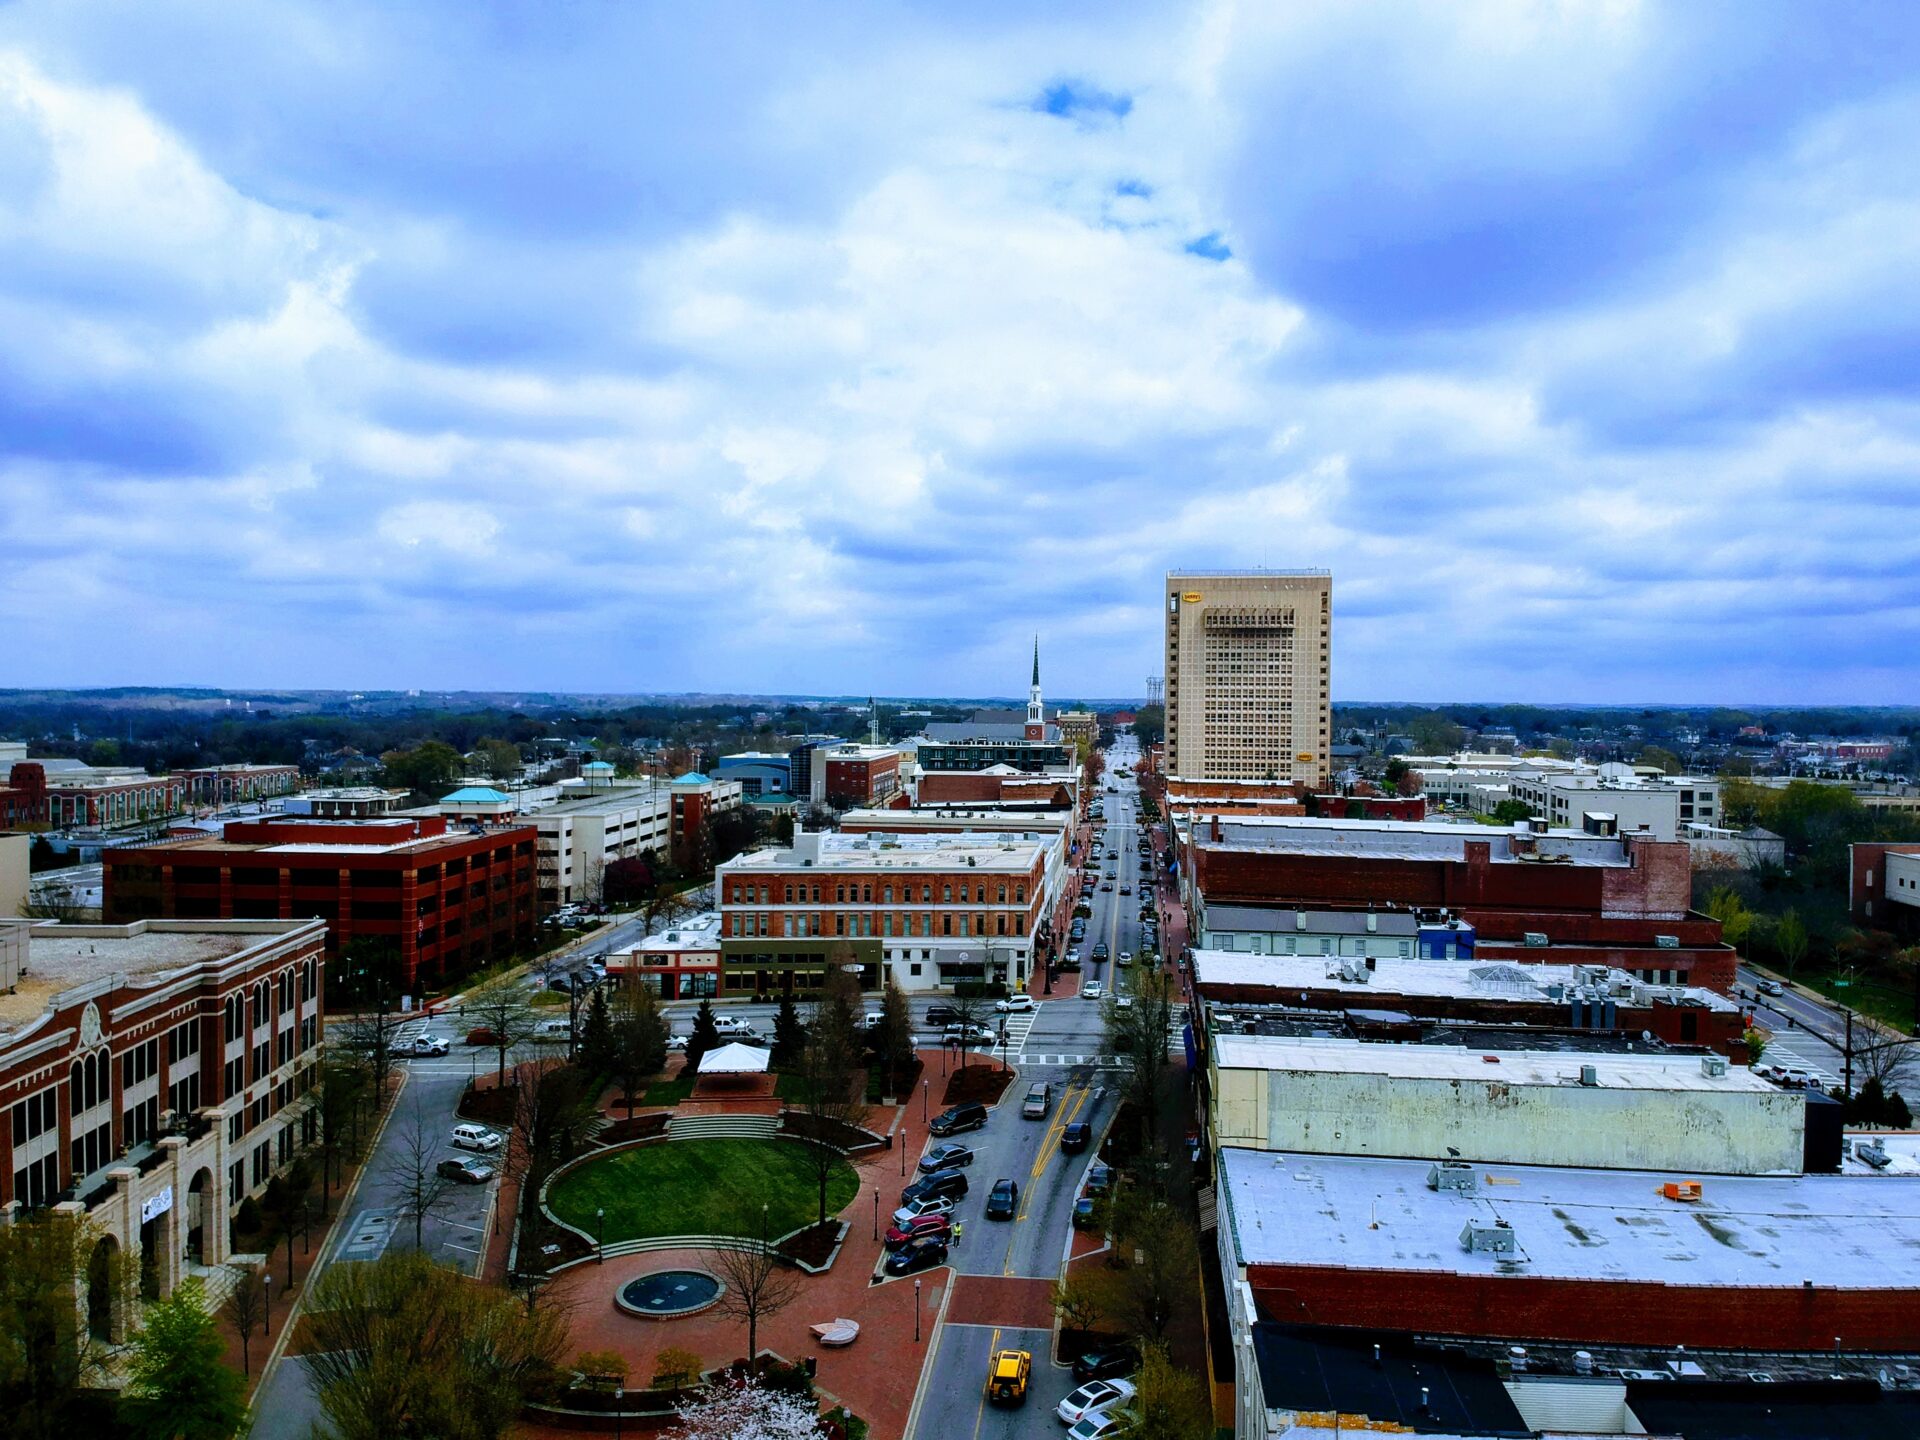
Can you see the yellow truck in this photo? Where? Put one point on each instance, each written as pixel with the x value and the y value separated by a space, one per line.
pixel 1007 1377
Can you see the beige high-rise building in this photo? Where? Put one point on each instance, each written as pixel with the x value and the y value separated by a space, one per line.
pixel 1248 656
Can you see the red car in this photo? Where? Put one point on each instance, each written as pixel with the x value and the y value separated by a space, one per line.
pixel 920 1227
pixel 480 1035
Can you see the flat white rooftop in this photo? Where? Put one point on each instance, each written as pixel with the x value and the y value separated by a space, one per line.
pixel 1440 979
pixel 1361 1213
pixel 1451 1062
pixel 695 932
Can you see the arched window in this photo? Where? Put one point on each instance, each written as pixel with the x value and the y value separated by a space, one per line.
pixel 886 894
pixel 1003 894
pixel 946 892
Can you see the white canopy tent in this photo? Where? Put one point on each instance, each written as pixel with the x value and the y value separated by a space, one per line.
pixel 736 1059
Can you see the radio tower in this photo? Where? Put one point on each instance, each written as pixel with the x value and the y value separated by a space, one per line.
pixel 1154 687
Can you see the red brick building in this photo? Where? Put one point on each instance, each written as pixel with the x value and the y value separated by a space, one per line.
pixel 71 794
pixel 449 900
pixel 861 775
pixel 1000 785
pixel 153 1076
pixel 1556 896
pixel 229 784
pixel 1884 890
pixel 929 910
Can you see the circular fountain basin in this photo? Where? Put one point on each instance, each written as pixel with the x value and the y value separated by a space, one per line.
pixel 669 1294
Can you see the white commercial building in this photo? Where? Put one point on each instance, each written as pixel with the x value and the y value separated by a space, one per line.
pixel 1693 1113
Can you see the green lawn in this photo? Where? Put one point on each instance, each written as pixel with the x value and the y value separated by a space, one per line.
pixel 1870 997
pixel 700 1187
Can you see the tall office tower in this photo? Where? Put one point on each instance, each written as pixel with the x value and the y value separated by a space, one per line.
pixel 1247 665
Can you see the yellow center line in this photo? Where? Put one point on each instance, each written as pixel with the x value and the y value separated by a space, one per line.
pixel 993 1348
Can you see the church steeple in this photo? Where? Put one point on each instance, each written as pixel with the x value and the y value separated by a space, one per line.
pixel 1036 728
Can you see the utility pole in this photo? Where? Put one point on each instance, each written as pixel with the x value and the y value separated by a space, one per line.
pixel 1847 1078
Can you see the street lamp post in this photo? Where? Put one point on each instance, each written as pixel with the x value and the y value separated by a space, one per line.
pixel 925 1086
pixel 916 1312
pixel 619 1409
pixel 600 1237
pixel 266 1306
pixel 876 1210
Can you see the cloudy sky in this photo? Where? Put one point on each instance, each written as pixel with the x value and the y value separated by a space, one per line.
pixel 841 347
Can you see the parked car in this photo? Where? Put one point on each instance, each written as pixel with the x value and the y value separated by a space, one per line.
pixel 1092 1396
pixel 677 1043
pixel 1100 1425
pixel 919 1228
pixel 970 1115
pixel 941 1182
pixel 1104 1362
pixel 1086 1213
pixel 921 1254
pixel 872 1020
pixel 945 1157
pixel 926 1205
pixel 1014 1004
pixel 475 1137
pixel 1075 1137
pixel 1772 987
pixel 1038 1102
pixel 1003 1200
pixel 1099 1178
pixel 553 1030
pixel 732 1025
pixel 466 1172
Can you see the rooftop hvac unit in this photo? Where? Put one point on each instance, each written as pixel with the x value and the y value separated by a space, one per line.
pixel 1535 939
pixel 1477 1237
pixel 1589 1075
pixel 1666 942
pixel 1583 1362
pixel 1453 1175
pixel 1872 1152
pixel 1685 1190
pixel 1713 1066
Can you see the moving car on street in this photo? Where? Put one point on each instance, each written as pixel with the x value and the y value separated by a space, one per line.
pixel 1007 1377
pixel 1003 1200
pixel 1014 1004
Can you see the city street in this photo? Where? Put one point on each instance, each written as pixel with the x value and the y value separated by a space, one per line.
pixel 1060 1046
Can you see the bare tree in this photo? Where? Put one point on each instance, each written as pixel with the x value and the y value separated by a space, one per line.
pixel 500 1007
pixel 555 1117
pixel 413 1167
pixel 759 1285
pixel 1137 1033
pixel 1885 1060
pixel 245 1308
pixel 968 1011
pixel 369 1037
pixel 664 907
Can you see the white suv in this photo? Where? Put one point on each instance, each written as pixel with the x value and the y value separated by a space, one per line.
pixel 475 1137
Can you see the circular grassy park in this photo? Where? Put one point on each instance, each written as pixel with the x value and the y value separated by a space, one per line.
pixel 700 1187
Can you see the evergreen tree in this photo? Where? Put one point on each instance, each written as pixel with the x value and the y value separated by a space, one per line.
pixel 789 1036
pixel 639 1042
pixel 179 1387
pixel 596 1035
pixel 705 1036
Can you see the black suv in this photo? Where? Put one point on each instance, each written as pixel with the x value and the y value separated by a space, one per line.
pixel 1075 1137
pixel 970 1116
pixel 942 1015
pixel 940 1183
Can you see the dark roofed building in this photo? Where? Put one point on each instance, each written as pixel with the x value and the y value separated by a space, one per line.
pixel 1388 1379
